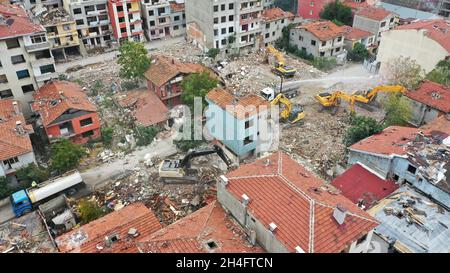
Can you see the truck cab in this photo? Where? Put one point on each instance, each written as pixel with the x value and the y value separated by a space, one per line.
pixel 21 203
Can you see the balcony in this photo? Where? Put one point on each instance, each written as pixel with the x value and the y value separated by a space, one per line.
pixel 104 22
pixel 36 47
pixel 46 76
pixel 36 63
pixel 94 23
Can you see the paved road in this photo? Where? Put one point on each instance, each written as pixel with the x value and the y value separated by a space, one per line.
pixel 109 56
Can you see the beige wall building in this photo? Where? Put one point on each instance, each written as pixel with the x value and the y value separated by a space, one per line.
pixel 273 21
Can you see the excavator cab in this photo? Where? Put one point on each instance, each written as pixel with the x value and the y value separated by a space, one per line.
pixel 284 70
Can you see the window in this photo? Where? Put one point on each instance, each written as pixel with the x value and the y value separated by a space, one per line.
pixel 322 54
pixel 383 24
pixel 175 27
pixel 85 122
pixel 91 8
pixel 47 69
pixel 267 35
pixel 338 49
pixel 216 20
pixel 66 27
pixel 231 6
pixel 129 6
pixel 77 11
pixel 392 20
pixel 310 12
pixel 268 25
pixel 11 161
pixel 324 43
pixel 151 12
pixel 339 39
pixel 162 20
pixel 300 38
pixel 224 31
pixel 36 39
pixel 152 23
pixel 216 32
pixel 27 88
pixel 248 124
pixel 216 8
pixel 21 74
pixel 87 134
pixel 101 7
pixel 412 169
pixel 370 40
pixel 6 94
pixel 211 245
pixel 223 19
pixel 231 18
pixel 176 18
pixel 12 43
pixel 311 4
pixel 362 239
pixel 222 7
pixel 313 42
pixel 3 79
pixel 79 22
pixel 248 140
pixel 223 42
pixel 230 30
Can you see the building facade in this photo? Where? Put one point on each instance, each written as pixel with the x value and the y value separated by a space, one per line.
pixel 273 21
pixel 354 35
pixel 310 9
pixel 125 17
pixel 375 20
pixel 26 62
pixel 444 9
pixel 321 39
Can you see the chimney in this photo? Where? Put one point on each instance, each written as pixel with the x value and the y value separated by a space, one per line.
pixel 245 199
pixel 272 227
pixel 133 232
pixel 267 163
pixel 339 214
pixel 61 94
pixel 224 180
pixel 298 249
pixel 16 107
pixel 20 128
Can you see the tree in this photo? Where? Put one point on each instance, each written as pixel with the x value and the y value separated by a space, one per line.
pixel 338 13
pixel 404 71
pixel 89 211
pixel 133 60
pixel 107 135
pixel 358 53
pixel 197 85
pixel 145 135
pixel 31 173
pixel 283 41
pixel 361 127
pixel 65 156
pixel 398 110
pixel 212 53
pixel 5 190
pixel 441 73
pixel 286 5
pixel 324 63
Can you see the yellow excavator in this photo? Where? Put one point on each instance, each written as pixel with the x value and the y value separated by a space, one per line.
pixel 333 100
pixel 368 96
pixel 280 67
pixel 292 113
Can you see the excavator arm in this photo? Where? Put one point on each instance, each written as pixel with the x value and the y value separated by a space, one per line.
pixel 370 95
pixel 281 98
pixel 186 161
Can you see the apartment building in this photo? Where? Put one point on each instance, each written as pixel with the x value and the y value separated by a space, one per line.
pixel 375 20
pixel 92 21
pixel 49 4
pixel 321 39
pixel 125 17
pixel 273 21
pixel 355 35
pixel 236 24
pixel 26 62
pixel 163 18
pixel 444 8
pixel 61 31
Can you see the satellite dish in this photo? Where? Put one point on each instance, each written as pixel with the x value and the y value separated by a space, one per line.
pixel 9 22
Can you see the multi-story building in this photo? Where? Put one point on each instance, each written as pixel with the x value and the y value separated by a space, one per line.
pixel 236 24
pixel 26 61
pixel 61 32
pixel 125 16
pixel 321 38
pixel 354 35
pixel 444 8
pixel 49 4
pixel 273 21
pixel 375 20
pixel 310 9
pixel 163 18
pixel 268 3
pixel 92 21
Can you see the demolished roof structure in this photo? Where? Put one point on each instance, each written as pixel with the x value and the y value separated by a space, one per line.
pixel 51 17
pixel 15 22
pixel 208 230
pixel 432 94
pixel 276 13
pixel 411 222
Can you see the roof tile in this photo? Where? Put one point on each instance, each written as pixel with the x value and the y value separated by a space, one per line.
pixel 323 30
pixel 432 94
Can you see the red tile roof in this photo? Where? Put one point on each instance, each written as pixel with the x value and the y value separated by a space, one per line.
pixel 276 14
pixel 148 109
pixel 391 140
pixel 244 107
pixel 164 68
pixel 301 205
pixel 355 5
pixel 323 30
pixel 50 103
pixel 432 94
pixel 438 30
pixel 361 185
pixel 373 13
pixel 21 23
pixel 13 143
pixel 90 238
pixel 353 34
pixel 191 233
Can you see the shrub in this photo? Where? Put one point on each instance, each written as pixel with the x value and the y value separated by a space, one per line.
pixel 65 156
pixel 324 63
pixel 107 135
pixel 89 211
pixel 145 135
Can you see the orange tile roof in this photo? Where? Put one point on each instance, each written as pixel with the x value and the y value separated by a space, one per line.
pixel 323 30
pixel 353 34
pixel 355 5
pixel 12 143
pixel 177 7
pixel 50 104
pixel 226 101
pixel 391 140
pixel 438 30
pixel 190 234
pixel 276 14
pixel 21 23
pixel 90 238
pixel 432 94
pixel 148 109
pixel 164 68
pixel 373 13
pixel 301 205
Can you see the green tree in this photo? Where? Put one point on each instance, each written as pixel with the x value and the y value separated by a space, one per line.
pixel 89 211
pixel 398 110
pixel 65 156
pixel 337 12
pixel 286 5
pixel 358 53
pixel 5 190
pixel 283 42
pixel 197 85
pixel 31 173
pixel 441 73
pixel 361 127
pixel 212 53
pixel 145 135
pixel 133 60
pixel 324 63
pixel 107 135
pixel 98 85
pixel 404 71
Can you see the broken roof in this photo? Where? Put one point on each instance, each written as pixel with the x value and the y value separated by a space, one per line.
pixel 353 34
pixel 437 30
pixel 92 237
pixel 441 123
pixel 56 97
pixel 146 107
pixel 242 108
pixel 192 234
pixel 323 30
pixel 363 186
pixel 413 222
pixel 15 22
pixel 355 4
pixel 301 205
pixel 53 16
pixel 432 94
pixel 176 7
pixel 12 141
pixel 276 13
pixel 373 13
